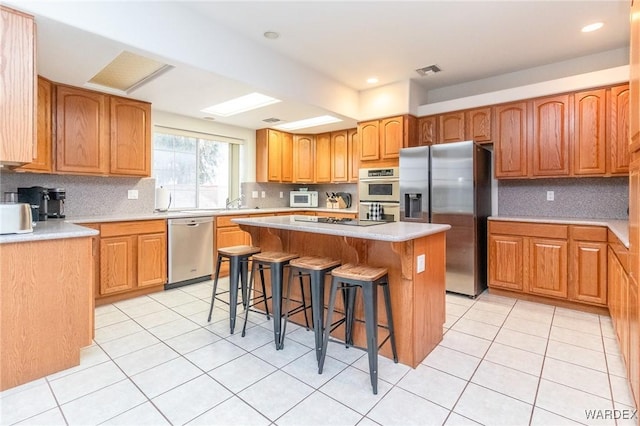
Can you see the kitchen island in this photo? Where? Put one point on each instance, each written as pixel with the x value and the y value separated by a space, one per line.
pixel 413 253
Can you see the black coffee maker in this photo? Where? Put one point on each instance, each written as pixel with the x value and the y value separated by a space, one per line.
pixel 55 206
pixel 38 198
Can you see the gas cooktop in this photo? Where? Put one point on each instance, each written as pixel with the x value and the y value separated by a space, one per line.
pixel 338 220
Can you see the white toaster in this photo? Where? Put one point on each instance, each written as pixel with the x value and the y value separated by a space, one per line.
pixel 15 218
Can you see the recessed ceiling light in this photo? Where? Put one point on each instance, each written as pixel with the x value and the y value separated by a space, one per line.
pixel 241 104
pixel 208 118
pixel 271 35
pixel 592 27
pixel 372 80
pixel 308 122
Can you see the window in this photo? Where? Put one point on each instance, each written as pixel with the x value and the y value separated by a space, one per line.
pixel 199 170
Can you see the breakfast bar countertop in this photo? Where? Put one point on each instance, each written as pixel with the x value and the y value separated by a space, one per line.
pixel 392 231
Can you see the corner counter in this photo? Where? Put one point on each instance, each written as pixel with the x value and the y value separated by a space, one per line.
pixel 417 296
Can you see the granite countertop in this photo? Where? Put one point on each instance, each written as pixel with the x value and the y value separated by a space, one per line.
pixel 620 228
pixel 392 231
pixel 50 230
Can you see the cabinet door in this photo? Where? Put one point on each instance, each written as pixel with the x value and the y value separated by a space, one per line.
pixel 339 157
pixel 287 157
pixel 152 259
pixel 304 159
pixel 451 127
pixel 618 129
pixel 634 217
pixel 82 132
pixel 18 88
pixel 478 125
pixel 510 150
pixel 42 162
pixel 588 272
pixel 130 137
pixel 354 155
pixel 274 153
pixel 550 141
pixel 391 137
pixel 227 237
pixel 117 271
pixel 427 127
pixel 634 340
pixel 634 79
pixel 506 262
pixel 589 137
pixel 548 267
pixel 369 136
pixel 323 158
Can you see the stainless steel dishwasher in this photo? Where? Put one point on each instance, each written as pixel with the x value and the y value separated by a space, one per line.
pixel 190 250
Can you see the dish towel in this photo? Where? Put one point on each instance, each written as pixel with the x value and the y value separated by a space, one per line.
pixel 376 211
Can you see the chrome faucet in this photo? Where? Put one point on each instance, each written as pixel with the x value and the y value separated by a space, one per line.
pixel 238 200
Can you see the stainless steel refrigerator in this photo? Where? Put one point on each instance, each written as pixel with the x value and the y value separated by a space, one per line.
pixel 451 183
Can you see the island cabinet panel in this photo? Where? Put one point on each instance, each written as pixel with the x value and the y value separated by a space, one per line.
pixel 550 138
pixel 18 88
pixel 46 313
pixel 618 129
pixel 130 137
pixel 511 140
pixel 82 131
pixel 451 127
pixel 323 158
pixel 589 133
pixel 43 160
pixel 304 158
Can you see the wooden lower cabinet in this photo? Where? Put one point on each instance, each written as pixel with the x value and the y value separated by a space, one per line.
pixel 562 262
pixel 132 259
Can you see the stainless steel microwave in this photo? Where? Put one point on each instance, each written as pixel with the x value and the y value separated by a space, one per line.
pixel 303 199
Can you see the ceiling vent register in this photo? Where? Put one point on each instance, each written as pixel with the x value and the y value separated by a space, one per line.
pixel 431 69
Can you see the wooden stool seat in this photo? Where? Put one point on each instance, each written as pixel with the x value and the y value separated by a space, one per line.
pixel 359 272
pixel 274 256
pixel 314 263
pixel 238 250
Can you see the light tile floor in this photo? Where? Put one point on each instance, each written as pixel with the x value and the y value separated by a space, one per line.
pixel 155 360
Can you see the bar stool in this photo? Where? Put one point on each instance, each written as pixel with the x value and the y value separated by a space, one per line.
pixel 238 258
pixel 367 278
pixel 275 261
pixel 316 268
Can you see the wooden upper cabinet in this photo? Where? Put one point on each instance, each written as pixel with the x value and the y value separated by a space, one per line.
pixel 82 131
pixel 391 137
pixel 478 125
pixel 550 142
pixel 18 88
pixel 287 157
pixel 303 158
pixel 548 267
pixel 618 129
pixel 427 131
pixel 339 156
pixel 589 136
pixel 43 160
pixel 269 155
pixel 511 140
pixel 369 136
pixel 634 78
pixel 130 137
pixel 353 155
pixel 451 127
pixel 323 158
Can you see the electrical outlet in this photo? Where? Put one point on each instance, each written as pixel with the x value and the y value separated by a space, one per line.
pixel 420 263
pixel 550 196
pixel 254 194
pixel 132 194
pixel 281 194
pixel 263 194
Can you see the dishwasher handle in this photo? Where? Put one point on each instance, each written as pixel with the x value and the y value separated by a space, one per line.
pixel 192 222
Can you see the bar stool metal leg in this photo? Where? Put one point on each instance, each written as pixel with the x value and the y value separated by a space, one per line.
pixel 370 293
pixel 215 287
pixel 234 276
pixel 387 303
pixel 327 328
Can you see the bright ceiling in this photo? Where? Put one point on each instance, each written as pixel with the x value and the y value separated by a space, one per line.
pixel 326 49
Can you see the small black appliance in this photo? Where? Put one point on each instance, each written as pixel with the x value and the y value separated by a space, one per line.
pixel 55 207
pixel 38 198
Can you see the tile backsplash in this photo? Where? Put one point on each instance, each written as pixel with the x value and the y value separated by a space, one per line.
pixel 89 195
pixel 272 193
pixel 594 198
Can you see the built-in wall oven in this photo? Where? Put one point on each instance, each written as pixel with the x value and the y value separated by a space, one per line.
pixel 379 193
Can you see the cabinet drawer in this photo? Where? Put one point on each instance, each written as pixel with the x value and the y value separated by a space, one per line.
pixel 224 221
pixel 132 228
pixel 588 233
pixel 528 229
